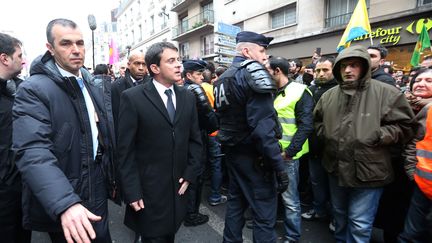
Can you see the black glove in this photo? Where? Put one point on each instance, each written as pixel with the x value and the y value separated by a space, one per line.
pixel 282 181
pixel 203 103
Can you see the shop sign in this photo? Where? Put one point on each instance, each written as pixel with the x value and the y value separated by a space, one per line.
pixel 392 35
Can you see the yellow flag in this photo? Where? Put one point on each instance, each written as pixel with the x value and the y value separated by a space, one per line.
pixel 358 26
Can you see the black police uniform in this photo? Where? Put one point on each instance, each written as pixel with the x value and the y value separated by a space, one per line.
pixel 208 123
pixel 248 131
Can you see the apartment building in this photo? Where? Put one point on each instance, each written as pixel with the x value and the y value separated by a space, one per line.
pixel 142 23
pixel 298 26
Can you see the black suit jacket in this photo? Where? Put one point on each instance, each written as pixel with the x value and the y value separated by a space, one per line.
pixel 154 154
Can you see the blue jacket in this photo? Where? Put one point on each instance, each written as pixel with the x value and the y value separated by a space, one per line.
pixel 53 143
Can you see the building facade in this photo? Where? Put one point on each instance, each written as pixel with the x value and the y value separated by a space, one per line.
pixel 142 23
pixel 298 26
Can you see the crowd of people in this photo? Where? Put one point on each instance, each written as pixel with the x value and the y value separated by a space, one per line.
pixel 70 140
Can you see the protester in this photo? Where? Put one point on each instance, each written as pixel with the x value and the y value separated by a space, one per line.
pixel 418 164
pixel 62 139
pixel 159 148
pixel 378 54
pixel 294 106
pixel 249 133
pixel 324 80
pixel 359 121
pixel 11 64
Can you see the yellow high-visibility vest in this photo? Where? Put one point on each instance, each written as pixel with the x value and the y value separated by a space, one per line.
pixel 285 107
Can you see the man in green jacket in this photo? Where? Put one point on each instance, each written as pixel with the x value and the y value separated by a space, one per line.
pixel 359 121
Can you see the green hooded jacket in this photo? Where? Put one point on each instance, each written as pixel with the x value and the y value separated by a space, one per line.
pixel 358 126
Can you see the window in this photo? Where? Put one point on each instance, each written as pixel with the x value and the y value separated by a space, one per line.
pixel 164 16
pixel 207 11
pixel 184 50
pixel 151 24
pixel 140 32
pixel 184 24
pixel 339 11
pixel 424 2
pixel 283 17
pixel 207 44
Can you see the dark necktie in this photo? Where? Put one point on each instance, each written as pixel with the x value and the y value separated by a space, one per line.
pixel 170 104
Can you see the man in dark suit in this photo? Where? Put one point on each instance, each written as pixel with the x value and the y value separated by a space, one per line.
pixel 159 147
pixel 135 74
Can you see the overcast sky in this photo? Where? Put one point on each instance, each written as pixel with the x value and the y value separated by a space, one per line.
pixel 27 19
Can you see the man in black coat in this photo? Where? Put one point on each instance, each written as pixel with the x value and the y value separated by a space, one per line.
pixel 159 147
pixel 135 74
pixel 378 54
pixel 11 62
pixel 63 139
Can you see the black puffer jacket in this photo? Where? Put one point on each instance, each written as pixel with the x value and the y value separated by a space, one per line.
pixel 8 171
pixel 53 145
pixel 384 77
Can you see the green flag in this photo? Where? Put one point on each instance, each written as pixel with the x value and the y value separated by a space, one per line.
pixel 423 42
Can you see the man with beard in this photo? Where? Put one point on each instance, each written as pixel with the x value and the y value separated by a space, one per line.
pixel 359 121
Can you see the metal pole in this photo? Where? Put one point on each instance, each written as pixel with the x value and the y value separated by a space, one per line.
pixel 93 50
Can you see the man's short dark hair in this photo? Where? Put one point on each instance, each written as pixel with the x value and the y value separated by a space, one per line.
pixel 311 66
pixel 281 63
pixel 8 44
pixel 101 69
pixel 330 59
pixel 382 50
pixel 62 22
pixel 297 62
pixel 154 52
pixel 220 70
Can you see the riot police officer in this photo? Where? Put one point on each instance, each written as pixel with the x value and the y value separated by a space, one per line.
pixel 208 123
pixel 249 131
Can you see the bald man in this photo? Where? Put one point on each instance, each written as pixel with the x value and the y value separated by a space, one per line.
pixel 136 73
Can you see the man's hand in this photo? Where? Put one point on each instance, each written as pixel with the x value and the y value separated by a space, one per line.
pixel 137 205
pixel 183 187
pixel 76 224
pixel 282 181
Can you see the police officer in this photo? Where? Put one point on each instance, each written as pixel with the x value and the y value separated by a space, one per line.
pixel 208 123
pixel 249 131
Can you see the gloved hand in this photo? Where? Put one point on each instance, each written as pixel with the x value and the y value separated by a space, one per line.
pixel 282 181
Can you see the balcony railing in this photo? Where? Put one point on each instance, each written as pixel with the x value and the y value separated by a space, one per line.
pixel 177 2
pixel 201 19
pixel 337 20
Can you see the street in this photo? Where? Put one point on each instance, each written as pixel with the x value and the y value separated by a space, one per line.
pixel 208 233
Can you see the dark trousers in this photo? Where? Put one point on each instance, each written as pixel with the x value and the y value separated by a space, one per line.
pixel 11 229
pixel 416 225
pixel 250 185
pixel 160 239
pixel 98 206
pixel 195 191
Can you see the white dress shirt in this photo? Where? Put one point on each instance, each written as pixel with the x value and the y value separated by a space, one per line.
pixel 90 109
